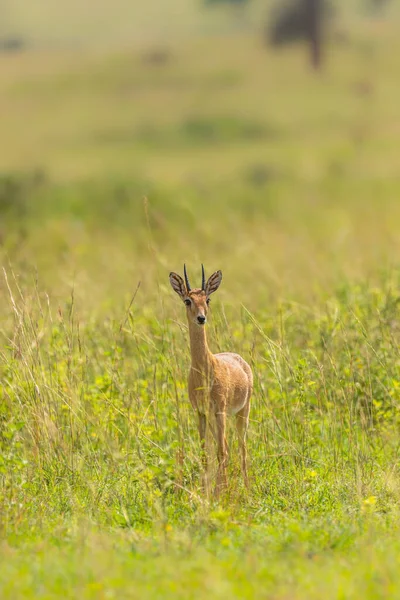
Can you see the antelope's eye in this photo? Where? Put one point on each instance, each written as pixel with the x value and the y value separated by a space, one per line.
pixel 208 300
pixel 188 301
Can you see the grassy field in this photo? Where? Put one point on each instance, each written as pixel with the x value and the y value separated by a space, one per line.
pixel 115 171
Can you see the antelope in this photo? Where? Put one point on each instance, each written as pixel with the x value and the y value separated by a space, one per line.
pixel 219 384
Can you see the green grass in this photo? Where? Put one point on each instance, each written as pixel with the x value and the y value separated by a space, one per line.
pixel 244 160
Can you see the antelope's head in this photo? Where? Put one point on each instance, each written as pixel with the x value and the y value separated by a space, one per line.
pixel 197 299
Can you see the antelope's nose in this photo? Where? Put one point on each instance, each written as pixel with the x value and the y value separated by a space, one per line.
pixel 201 319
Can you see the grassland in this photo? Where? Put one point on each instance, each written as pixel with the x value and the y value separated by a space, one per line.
pixel 115 171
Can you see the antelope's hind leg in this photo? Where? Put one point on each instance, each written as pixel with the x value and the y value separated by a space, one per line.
pixel 242 424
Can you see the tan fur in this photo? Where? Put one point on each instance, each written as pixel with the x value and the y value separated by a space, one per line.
pixel 219 384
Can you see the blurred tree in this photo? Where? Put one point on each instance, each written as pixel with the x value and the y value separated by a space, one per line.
pixel 294 20
pixel 313 10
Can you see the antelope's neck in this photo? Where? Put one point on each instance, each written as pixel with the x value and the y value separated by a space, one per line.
pixel 202 358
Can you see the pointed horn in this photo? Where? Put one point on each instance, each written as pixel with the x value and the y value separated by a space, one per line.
pixel 203 279
pixel 186 279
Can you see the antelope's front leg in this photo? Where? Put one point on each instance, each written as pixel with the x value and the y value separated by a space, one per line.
pixel 202 423
pixel 222 481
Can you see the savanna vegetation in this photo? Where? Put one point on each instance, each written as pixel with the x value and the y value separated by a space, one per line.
pixel 117 167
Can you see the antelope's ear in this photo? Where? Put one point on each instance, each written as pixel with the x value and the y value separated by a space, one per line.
pixel 177 284
pixel 213 283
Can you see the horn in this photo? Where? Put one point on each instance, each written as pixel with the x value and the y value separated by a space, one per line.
pixel 203 279
pixel 186 279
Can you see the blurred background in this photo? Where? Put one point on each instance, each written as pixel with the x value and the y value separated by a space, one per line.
pixel 259 135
